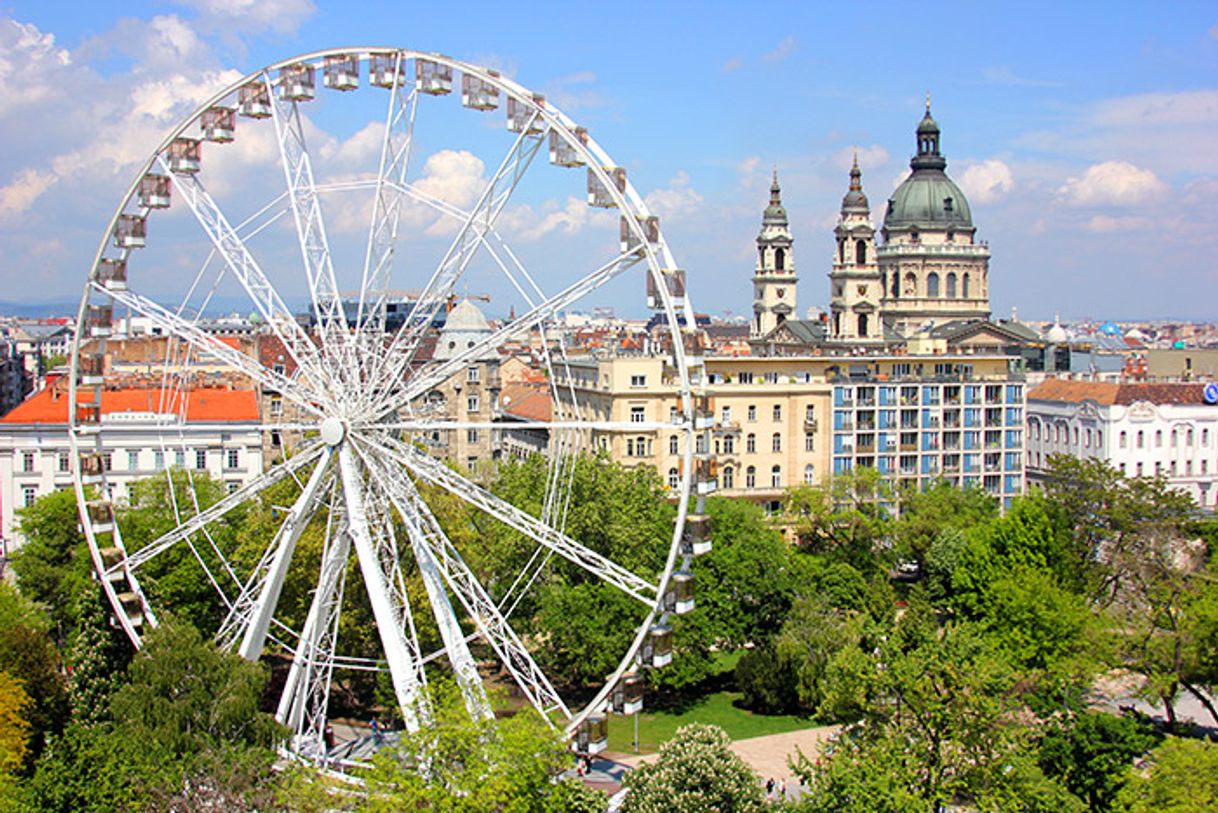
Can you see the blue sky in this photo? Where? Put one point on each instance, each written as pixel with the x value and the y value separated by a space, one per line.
pixel 1083 134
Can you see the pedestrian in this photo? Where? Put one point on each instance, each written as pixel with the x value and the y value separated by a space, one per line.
pixel 769 788
pixel 782 789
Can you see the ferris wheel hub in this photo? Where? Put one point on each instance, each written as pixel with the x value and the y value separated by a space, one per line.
pixel 333 430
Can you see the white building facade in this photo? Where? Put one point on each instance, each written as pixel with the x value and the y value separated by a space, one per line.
pixel 1142 430
pixel 219 435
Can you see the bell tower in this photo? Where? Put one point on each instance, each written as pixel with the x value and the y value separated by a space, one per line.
pixel 774 280
pixel 856 288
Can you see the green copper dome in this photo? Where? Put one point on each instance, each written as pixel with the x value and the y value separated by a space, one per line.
pixel 928 198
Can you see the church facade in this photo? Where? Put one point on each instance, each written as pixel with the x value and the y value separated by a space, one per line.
pixel 921 278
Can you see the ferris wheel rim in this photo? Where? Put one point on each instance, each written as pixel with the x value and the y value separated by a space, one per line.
pixel 628 201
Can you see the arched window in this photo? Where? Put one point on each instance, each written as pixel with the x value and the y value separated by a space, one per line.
pixel 674 445
pixel 776 477
pixel 932 285
pixel 809 413
pixel 1141 443
pixel 750 443
pixel 809 474
pixel 951 286
pixel 780 259
pixel 761 256
pixel 841 251
pixel 911 284
pixel 750 477
pixel 729 477
pixel 896 285
pixel 674 478
pixel 1175 438
pixel 776 442
pixel 837 324
pixel 863 325
pixel 860 252
pixel 1188 437
pixel 1124 439
pixel 964 286
pixel 1158 438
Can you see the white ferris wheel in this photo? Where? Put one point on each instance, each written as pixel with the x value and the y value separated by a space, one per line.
pixel 319 250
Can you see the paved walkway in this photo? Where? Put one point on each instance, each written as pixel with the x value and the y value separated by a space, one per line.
pixel 766 755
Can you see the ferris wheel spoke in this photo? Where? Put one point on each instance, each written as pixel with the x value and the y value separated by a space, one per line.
pixel 481 219
pixel 436 473
pixel 302 704
pixel 436 373
pixel 215 512
pixel 310 225
pixel 208 345
pixel 268 583
pixel 425 534
pixel 242 265
pixel 512 653
pixel 396 148
pixel 404 668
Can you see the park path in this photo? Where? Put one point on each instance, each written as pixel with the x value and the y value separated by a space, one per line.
pixel 766 755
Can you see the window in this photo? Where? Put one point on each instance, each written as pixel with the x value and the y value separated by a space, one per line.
pixel 860 252
pixel 932 285
pixel 674 445
pixel 777 413
pixel 951 286
pixel 776 477
pixel 729 444
pixel 776 443
pixel 674 478
pixel 729 477
pixel 1172 468
pixel 964 286
pixel 200 458
pixel 27 461
pixel 771 378
pixel 809 474
pixel 1076 436
pixel 1205 466
pixel 746 378
pixel 1087 438
pixel 158 460
pixel 232 486
pixel 1158 438
pixel 809 413
pixel 1141 442
pixel 752 413
pixel 65 463
pixel 1188 437
pixel 471 435
pixel 1188 468
pixel 727 416
pixel 700 444
pixel 179 458
pixel 1175 436
pixel 471 375
pixel 750 443
pixel 636 447
pixel 750 477
pixel 638 381
pixel 809 442
pixel 276 407
pixel 1205 438
pixel 28 495
pixel 278 368
pixel 672 415
pixel 1139 469
pixel 133 460
pixel 232 459
pixel 637 414
pixel 1124 442
pixel 471 403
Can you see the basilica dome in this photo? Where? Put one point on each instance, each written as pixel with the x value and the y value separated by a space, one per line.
pixel 928 199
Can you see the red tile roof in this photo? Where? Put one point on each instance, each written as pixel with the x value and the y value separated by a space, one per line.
pixel 202 404
pixel 1057 389
pixel 527 402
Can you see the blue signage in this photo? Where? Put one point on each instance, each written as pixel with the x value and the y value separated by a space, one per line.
pixel 1211 393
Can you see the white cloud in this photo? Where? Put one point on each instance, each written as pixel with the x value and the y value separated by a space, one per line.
pixel 675 202
pixel 732 64
pixel 987 181
pixel 1105 224
pixel 30 64
pixel 248 16
pixel 1159 109
pixel 27 187
pixel 526 225
pixel 573 92
pixel 1112 183
pixel 785 47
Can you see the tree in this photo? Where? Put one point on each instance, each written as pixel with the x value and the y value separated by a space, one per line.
pixel 460 764
pixel 53 563
pixel 1183 778
pixel 696 771
pixel 844 519
pixel 14 726
pixel 27 652
pixel 812 637
pixel 97 655
pixel 1092 754
pixel 941 507
pixel 767 681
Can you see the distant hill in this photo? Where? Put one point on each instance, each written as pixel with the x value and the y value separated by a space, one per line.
pixel 39 310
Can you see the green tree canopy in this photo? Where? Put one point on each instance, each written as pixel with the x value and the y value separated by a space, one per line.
pixel 696 771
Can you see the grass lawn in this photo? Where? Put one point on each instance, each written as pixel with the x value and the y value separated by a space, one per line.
pixel 657 727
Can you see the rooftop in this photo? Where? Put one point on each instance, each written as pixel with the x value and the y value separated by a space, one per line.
pixel 210 404
pixel 1057 389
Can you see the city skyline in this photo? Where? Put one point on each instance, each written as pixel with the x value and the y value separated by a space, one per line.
pixel 1087 158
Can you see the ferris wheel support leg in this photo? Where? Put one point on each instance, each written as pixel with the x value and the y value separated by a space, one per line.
pixel 311 655
pixel 402 666
pixel 285 544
